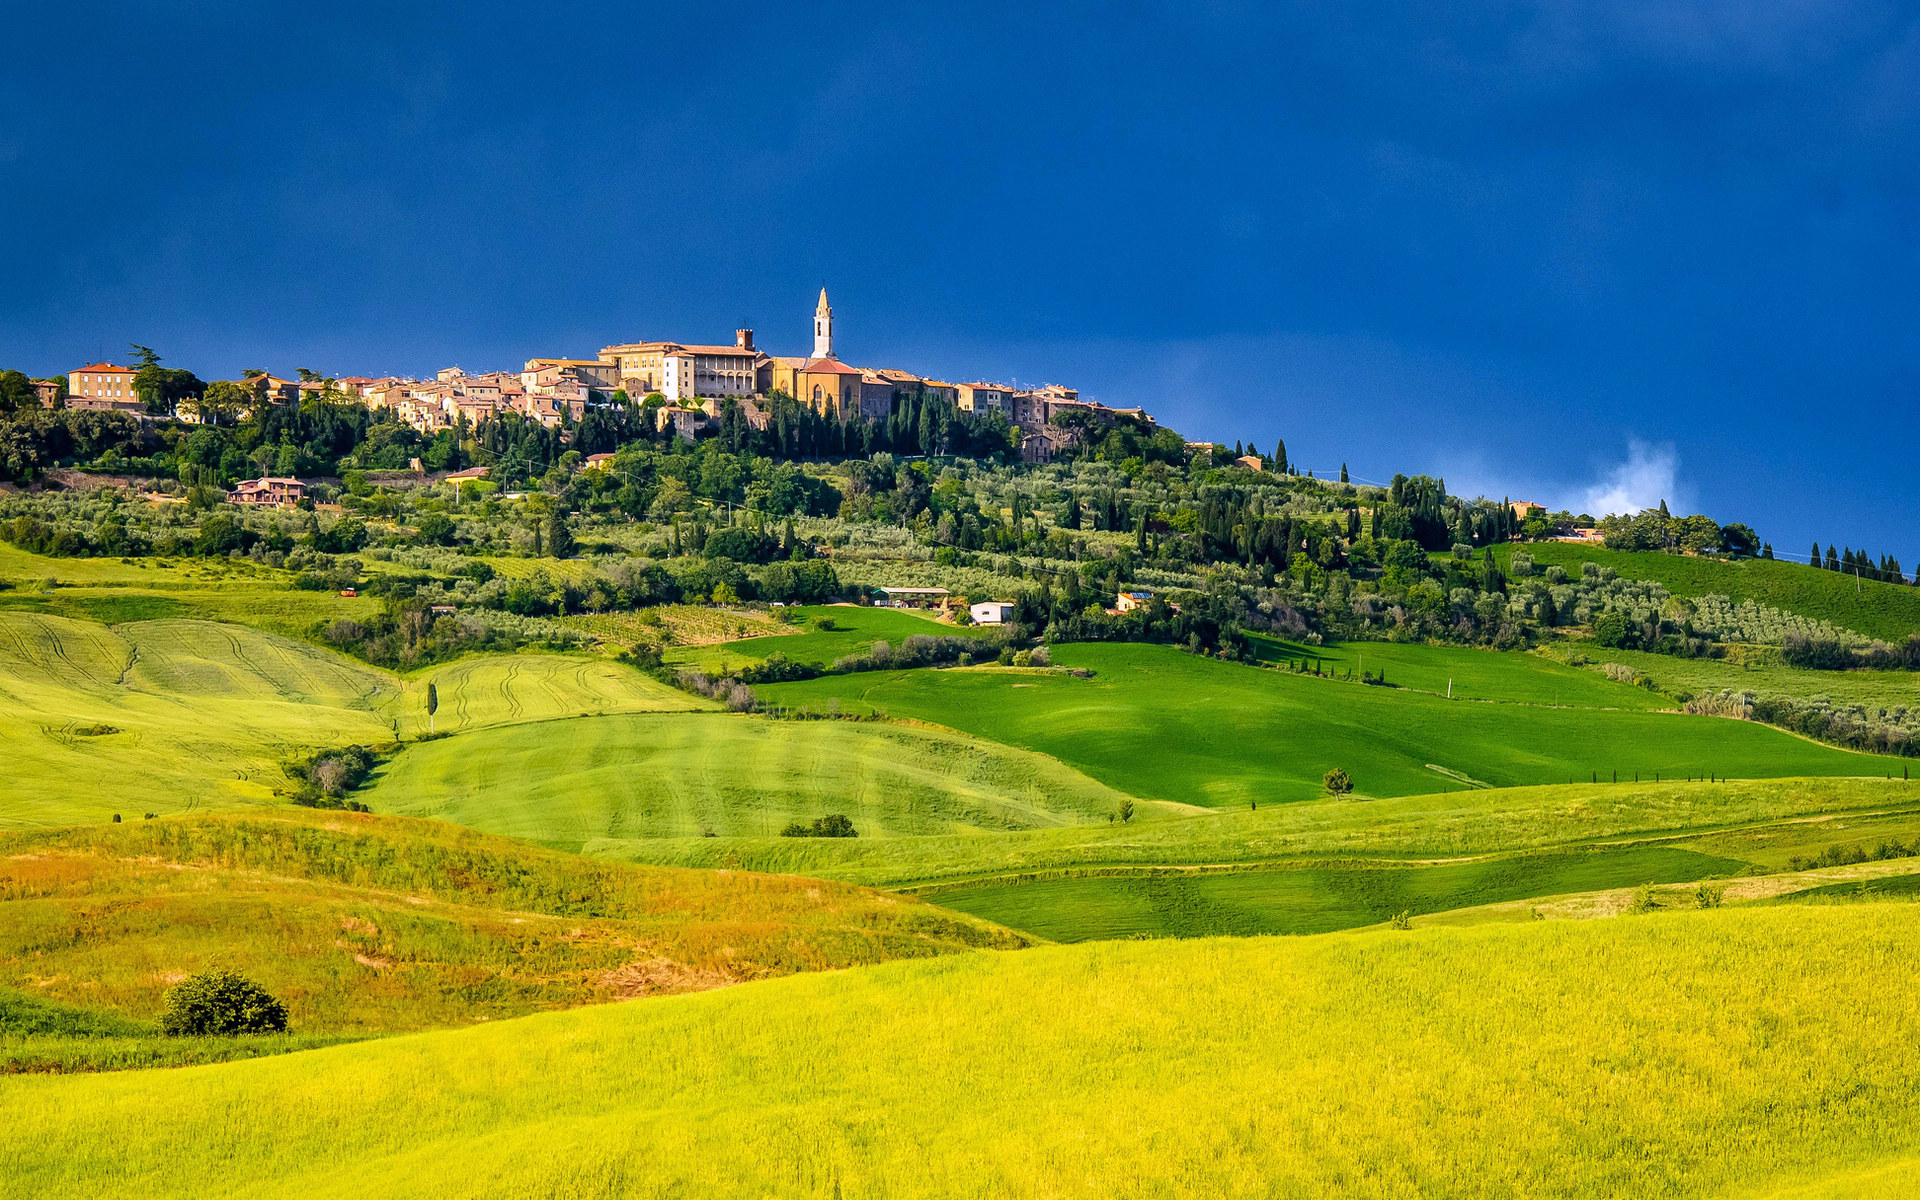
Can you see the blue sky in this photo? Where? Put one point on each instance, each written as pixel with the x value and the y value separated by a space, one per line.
pixel 1582 253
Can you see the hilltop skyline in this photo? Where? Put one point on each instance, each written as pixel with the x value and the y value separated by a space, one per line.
pixel 1648 254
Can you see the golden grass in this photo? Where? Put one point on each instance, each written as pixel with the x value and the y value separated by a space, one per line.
pixel 1738 1052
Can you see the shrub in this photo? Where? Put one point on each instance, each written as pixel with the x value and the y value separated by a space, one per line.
pixel 221 1003
pixel 834 825
pixel 1338 782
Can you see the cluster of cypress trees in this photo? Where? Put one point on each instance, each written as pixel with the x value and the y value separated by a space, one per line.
pixel 1860 564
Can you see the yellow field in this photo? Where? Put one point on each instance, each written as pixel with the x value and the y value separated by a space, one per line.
pixel 1738 1053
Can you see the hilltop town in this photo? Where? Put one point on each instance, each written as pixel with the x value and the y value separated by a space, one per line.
pixel 687 387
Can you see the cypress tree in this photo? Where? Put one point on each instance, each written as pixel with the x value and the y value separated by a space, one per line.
pixel 1815 560
pixel 1343 473
pixel 1833 560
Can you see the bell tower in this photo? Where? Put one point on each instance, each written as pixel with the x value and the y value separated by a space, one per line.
pixel 823 327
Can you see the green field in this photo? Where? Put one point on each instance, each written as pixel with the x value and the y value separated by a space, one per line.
pixel 855 629
pixel 1668 1055
pixel 1882 610
pixel 112 590
pixel 1873 689
pixel 569 783
pixel 1466 673
pixel 183 715
pixel 1163 724
pixel 366 925
pixel 1308 899
pixel 166 716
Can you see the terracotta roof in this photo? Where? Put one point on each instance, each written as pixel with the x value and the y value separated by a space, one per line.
pixel 99 367
pixel 828 366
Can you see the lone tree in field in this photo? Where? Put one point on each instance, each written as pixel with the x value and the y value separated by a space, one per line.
pixel 221 1003
pixel 1338 782
pixel 1126 811
pixel 433 705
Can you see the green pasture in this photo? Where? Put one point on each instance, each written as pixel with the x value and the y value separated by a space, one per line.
pixel 855 630
pixel 1882 610
pixel 1307 899
pixel 1676 1054
pixel 1873 689
pixel 569 783
pixel 1469 673
pixel 168 716
pixel 112 590
pixel 1764 821
pixel 1163 724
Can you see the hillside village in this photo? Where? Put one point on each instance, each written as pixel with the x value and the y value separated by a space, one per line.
pixel 684 387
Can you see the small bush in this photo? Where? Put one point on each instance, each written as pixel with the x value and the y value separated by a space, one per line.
pixel 834 825
pixel 221 1003
pixel 1709 895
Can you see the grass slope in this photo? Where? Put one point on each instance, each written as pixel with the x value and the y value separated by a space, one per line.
pixel 1308 899
pixel 112 590
pixel 169 716
pixel 855 630
pixel 1471 674
pixel 370 924
pixel 1760 821
pixel 1662 1056
pixel 165 716
pixel 1882 610
pixel 1167 725
pixel 568 783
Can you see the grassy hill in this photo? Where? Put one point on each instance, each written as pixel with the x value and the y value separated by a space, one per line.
pixel 1163 724
pixel 855 629
pixel 1659 1056
pixel 179 715
pixel 367 924
pixel 113 590
pixel 569 783
pixel 1882 610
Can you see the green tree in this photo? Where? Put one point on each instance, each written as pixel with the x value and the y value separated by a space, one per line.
pixel 559 537
pixel 17 393
pixel 433 704
pixel 220 1003
pixel 1338 782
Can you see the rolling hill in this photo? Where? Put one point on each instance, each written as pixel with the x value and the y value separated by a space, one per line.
pixel 1162 724
pixel 571 783
pixel 365 924
pixel 1666 1055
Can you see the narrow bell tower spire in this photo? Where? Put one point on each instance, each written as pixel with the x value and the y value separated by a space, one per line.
pixel 823 327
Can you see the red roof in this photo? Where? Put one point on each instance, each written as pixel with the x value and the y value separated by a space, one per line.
pixel 827 366
pixel 97 367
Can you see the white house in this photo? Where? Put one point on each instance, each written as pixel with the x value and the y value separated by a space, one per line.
pixel 992 612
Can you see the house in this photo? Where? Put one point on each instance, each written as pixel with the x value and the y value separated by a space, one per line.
pixel 680 371
pixel 684 422
pixel 1522 509
pixel 992 612
pixel 876 395
pixel 1251 462
pixel 466 476
pixel 48 390
pixel 597 462
pixel 911 597
pixel 103 387
pixel 984 397
pixel 1128 601
pixel 268 490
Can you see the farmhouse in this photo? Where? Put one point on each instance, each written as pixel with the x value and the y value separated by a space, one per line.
pixel 268 490
pixel 911 597
pixel 992 612
pixel 1128 601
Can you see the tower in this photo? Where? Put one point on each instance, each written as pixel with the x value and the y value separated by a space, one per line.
pixel 823 327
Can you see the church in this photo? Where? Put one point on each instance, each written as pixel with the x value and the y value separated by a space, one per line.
pixel 822 382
